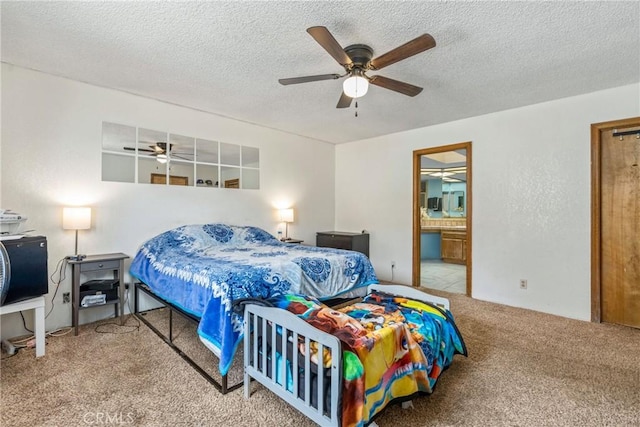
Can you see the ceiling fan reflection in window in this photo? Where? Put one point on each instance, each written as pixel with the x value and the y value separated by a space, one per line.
pixel 357 60
pixel 159 151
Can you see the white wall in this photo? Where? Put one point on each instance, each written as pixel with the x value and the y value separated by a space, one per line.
pixel 535 225
pixel 531 197
pixel 51 146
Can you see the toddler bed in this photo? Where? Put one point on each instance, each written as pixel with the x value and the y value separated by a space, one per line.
pixel 341 367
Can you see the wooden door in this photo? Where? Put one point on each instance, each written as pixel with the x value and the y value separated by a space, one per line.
pixel 232 183
pixel 157 178
pixel 619 214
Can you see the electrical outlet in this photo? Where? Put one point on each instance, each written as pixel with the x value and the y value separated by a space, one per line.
pixel 66 297
pixel 523 283
pixel 393 264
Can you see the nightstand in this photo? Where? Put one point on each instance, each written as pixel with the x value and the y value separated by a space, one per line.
pixel 98 266
pixel 293 241
pixel 343 240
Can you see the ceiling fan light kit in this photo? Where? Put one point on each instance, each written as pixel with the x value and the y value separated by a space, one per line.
pixel 357 59
pixel 356 85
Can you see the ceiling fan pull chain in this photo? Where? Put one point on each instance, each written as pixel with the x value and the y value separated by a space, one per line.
pixel 356 108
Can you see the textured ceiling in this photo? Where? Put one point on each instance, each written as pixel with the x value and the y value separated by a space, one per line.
pixel 226 57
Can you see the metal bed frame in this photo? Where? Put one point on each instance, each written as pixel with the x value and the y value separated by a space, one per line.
pixel 222 386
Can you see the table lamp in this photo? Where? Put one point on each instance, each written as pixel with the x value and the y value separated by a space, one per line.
pixel 76 218
pixel 286 216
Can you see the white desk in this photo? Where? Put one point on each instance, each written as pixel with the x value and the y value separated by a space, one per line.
pixel 36 304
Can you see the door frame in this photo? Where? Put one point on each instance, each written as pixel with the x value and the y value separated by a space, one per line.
pixel 596 232
pixel 417 154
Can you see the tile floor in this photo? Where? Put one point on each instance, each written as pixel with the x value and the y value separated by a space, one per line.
pixel 444 276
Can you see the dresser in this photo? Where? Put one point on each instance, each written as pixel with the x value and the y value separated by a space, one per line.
pixel 344 240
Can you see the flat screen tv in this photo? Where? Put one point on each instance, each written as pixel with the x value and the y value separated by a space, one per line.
pixel 434 203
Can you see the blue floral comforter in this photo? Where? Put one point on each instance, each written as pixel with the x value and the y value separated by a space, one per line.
pixel 202 269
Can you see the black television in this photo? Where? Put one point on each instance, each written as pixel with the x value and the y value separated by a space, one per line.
pixel 434 203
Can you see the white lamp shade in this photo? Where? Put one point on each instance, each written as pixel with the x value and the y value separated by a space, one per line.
pixel 286 215
pixel 75 218
pixel 355 86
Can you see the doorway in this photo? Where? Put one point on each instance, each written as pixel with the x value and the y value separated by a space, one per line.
pixel 442 207
pixel 615 222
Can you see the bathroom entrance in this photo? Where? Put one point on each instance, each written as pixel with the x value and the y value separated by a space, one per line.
pixel 442 218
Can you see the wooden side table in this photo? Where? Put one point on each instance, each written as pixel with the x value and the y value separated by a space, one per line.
pixel 292 241
pixel 96 265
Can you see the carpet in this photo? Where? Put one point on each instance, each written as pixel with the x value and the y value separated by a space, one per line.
pixel 524 368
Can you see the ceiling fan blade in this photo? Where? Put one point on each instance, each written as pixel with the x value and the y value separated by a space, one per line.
pixel 306 79
pixel 330 44
pixel 345 101
pixel 413 47
pixel 139 149
pixel 395 85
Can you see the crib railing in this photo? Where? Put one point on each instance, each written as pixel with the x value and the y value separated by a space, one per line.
pixel 277 354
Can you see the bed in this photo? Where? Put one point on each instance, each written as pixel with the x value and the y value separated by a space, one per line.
pixel 202 269
pixel 344 366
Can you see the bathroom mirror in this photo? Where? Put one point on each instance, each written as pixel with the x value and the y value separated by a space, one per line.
pixel 443 185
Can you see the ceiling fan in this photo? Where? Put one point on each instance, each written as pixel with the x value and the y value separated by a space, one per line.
pixel 357 60
pixel 159 151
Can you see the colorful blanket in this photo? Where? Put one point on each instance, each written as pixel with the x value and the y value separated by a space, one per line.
pixel 203 269
pixel 393 348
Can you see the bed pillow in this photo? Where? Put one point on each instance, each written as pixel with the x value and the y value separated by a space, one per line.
pixel 221 233
pixel 255 234
pixel 237 235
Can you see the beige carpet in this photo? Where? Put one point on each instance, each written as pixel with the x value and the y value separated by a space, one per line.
pixel 524 369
